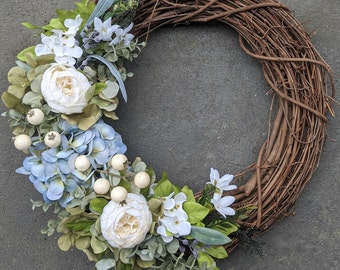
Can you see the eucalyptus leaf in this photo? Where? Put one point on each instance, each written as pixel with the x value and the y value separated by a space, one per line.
pixel 16 90
pixel 65 242
pixel 82 243
pixel 31 59
pixel 113 71
pixel 17 75
pixel 111 89
pixel 90 255
pixel 36 84
pixel 111 115
pixel 208 236
pixel 10 100
pixel 145 264
pixel 32 98
pixel 97 245
pixel 105 264
pixel 173 246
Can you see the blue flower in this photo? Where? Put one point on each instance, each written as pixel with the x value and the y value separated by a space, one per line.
pixel 52 171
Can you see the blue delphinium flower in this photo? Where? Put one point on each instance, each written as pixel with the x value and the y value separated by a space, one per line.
pixel 52 170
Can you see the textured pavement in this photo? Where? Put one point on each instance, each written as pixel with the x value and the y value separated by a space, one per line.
pixel 196 101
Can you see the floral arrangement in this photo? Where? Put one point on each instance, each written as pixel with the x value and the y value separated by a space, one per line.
pixel 113 210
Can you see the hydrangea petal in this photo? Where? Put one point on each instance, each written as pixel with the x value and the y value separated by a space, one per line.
pixel 55 190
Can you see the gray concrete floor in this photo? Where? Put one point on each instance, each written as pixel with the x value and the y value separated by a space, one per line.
pixel 189 110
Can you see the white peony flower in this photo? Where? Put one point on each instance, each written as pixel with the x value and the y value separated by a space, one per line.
pixel 64 89
pixel 126 225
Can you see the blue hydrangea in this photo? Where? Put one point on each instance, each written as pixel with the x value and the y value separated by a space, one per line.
pixel 52 170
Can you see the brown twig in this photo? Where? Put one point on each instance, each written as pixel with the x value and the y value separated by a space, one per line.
pixel 299 79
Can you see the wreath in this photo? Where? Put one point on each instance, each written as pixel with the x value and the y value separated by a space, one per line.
pixel 115 210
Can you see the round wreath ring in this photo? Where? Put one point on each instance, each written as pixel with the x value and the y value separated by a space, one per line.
pixel 299 78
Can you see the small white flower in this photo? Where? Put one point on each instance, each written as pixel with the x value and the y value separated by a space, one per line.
pixel 126 225
pixel 64 89
pixel 63 45
pixel 123 35
pixel 222 204
pixel 222 183
pixel 175 219
pixel 73 25
pixel 104 29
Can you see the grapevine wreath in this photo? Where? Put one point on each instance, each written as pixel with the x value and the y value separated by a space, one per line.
pixel 115 210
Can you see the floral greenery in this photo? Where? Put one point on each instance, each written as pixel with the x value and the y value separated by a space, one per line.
pixel 73 79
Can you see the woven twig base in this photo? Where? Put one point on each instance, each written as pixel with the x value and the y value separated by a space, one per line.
pixel 298 78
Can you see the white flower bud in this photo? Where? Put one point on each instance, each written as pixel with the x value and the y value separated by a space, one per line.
pixel 119 194
pixel 35 117
pixel 52 139
pixel 82 163
pixel 119 162
pixel 142 179
pixel 22 142
pixel 101 186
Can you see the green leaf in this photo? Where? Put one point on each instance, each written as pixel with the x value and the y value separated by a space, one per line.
pixel 217 252
pixel 97 245
pixel 65 242
pixel 164 187
pixel 83 225
pixel 97 205
pixel 189 193
pixel 99 88
pixel 105 264
pixel 224 227
pixel 54 23
pixel 209 236
pixel 30 26
pixel 205 260
pixel 22 55
pixel 195 211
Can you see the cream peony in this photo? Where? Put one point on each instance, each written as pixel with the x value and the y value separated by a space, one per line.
pixel 126 225
pixel 64 89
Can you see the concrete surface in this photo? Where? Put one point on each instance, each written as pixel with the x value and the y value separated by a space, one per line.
pixel 189 110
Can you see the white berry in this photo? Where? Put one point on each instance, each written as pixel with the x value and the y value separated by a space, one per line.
pixel 35 117
pixel 22 142
pixel 82 163
pixel 142 179
pixel 52 139
pixel 119 162
pixel 101 186
pixel 118 194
